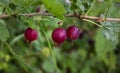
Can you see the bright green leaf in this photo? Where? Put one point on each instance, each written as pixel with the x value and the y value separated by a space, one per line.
pixel 19 2
pixel 56 8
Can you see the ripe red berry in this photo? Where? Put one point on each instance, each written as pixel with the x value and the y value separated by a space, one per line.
pixel 59 35
pixel 30 34
pixel 73 32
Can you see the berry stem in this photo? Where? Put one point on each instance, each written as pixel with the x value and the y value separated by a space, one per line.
pixel 30 46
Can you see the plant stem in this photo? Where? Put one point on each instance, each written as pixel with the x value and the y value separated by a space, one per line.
pixel 51 50
pixel 67 15
pixel 93 22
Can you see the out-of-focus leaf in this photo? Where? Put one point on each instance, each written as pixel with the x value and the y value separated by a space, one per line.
pixel 73 4
pixel 83 54
pixel 99 8
pixel 115 0
pixel 49 66
pixel 1 10
pixel 103 46
pixel 3 65
pixel 55 7
pixel 48 21
pixel 86 70
pixel 80 5
pixel 5 1
pixel 19 2
pixel 16 39
pixel 24 3
pixel 4 33
pixel 112 61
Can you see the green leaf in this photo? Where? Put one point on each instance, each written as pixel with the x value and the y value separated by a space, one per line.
pixel 103 46
pixel 24 3
pixel 49 66
pixel 4 33
pixel 16 39
pixel 73 4
pixel 5 2
pixel 111 30
pixel 82 53
pixel 56 8
pixel 80 5
pixel 86 70
pixel 19 2
pixel 47 21
pixel 99 8
pixel 1 9
pixel 112 61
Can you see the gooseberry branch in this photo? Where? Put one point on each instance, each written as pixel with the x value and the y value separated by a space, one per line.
pixel 66 15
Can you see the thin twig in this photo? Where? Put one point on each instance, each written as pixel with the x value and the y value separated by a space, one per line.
pixel 93 22
pixel 3 16
pixel 67 15
pixel 36 14
pixel 102 19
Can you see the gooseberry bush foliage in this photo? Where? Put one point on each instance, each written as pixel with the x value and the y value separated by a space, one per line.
pixel 59 36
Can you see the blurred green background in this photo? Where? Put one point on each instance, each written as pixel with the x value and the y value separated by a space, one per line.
pixel 96 51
